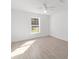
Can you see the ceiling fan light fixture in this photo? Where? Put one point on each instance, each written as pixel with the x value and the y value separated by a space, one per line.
pixel 45 11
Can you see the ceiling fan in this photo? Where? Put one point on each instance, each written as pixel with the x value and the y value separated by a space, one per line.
pixel 46 7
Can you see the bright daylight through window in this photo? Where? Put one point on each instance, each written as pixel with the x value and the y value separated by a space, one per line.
pixel 35 22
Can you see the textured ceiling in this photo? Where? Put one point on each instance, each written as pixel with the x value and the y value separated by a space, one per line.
pixel 36 6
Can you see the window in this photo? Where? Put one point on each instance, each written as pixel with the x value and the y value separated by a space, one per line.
pixel 35 25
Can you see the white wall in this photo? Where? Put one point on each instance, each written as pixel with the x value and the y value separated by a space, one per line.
pixel 54 25
pixel 21 28
pixel 58 24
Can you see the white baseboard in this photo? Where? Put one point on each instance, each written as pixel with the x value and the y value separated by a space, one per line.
pixel 59 37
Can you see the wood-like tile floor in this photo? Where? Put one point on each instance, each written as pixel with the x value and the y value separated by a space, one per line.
pixel 40 48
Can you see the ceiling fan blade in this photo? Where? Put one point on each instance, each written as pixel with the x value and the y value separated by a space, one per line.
pixel 45 5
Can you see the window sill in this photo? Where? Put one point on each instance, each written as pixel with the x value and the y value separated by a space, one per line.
pixel 36 33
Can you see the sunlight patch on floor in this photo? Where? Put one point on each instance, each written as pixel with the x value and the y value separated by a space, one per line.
pixel 24 47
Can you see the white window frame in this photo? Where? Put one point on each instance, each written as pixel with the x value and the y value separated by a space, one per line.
pixel 35 25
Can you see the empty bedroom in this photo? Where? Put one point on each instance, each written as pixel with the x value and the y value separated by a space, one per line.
pixel 39 29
